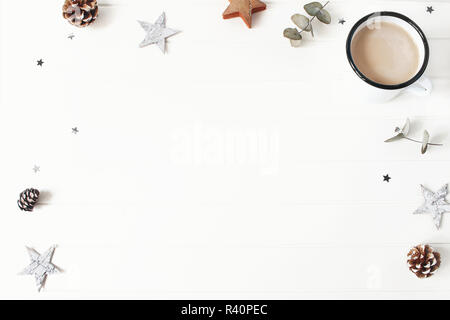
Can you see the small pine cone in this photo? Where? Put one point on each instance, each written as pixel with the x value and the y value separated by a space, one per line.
pixel 423 261
pixel 28 199
pixel 80 13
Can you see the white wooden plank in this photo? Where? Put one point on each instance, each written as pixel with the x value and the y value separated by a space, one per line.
pixel 250 225
pixel 255 52
pixel 225 271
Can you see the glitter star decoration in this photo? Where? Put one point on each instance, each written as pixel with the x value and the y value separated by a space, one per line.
pixel 430 9
pixel 435 204
pixel 342 21
pixel 41 266
pixel 40 62
pixel 386 178
pixel 75 130
pixel 157 33
pixel 36 169
pixel 71 36
pixel 243 9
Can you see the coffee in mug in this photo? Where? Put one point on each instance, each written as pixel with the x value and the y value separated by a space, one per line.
pixel 389 53
pixel 385 53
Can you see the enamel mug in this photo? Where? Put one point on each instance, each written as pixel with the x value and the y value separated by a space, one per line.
pixel 377 92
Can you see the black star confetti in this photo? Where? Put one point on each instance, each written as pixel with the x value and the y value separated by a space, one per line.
pixel 40 62
pixel 386 178
pixel 71 36
pixel 36 169
pixel 75 130
pixel 341 21
pixel 430 9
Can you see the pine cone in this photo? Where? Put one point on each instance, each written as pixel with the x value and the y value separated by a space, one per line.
pixel 80 13
pixel 423 261
pixel 28 199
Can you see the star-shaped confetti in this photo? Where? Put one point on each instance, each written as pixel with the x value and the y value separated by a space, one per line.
pixel 41 266
pixel 342 21
pixel 71 36
pixel 75 130
pixel 157 33
pixel 430 9
pixel 386 178
pixel 36 169
pixel 243 9
pixel 40 62
pixel 435 204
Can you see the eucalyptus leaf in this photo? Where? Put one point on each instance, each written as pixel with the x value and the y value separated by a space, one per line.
pixel 292 34
pixel 405 129
pixel 295 43
pixel 324 16
pixel 394 138
pixel 301 21
pixel 425 140
pixel 403 133
pixel 313 8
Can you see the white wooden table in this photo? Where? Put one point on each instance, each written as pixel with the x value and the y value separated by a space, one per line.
pixel 234 166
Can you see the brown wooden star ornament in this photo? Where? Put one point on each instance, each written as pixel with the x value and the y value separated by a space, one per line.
pixel 243 9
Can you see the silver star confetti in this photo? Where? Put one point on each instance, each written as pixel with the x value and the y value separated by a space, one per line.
pixel 157 33
pixel 435 204
pixel 36 169
pixel 41 266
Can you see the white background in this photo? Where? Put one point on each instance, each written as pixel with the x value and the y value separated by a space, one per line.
pixel 233 166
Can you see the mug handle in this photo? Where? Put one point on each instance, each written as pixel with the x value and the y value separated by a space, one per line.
pixel 421 87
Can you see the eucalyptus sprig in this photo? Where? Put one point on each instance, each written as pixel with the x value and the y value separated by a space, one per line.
pixel 403 134
pixel 315 10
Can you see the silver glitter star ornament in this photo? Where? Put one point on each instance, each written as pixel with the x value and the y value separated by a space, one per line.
pixel 41 266
pixel 156 33
pixel 435 204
